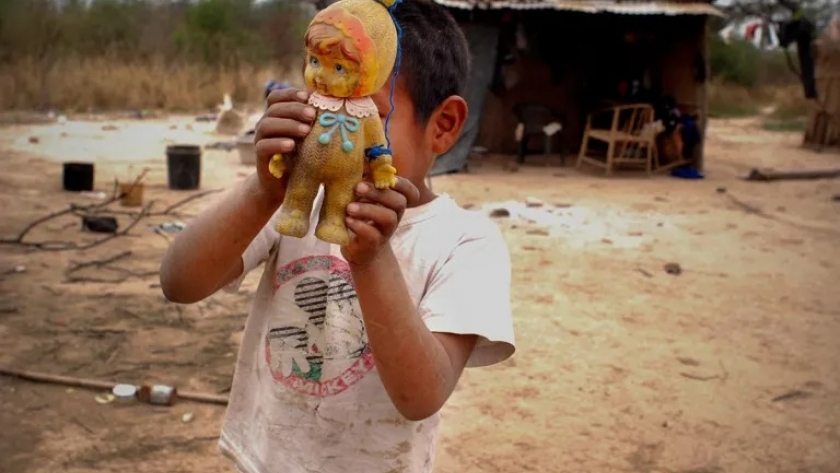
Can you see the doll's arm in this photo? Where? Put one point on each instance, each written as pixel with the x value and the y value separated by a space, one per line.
pixel 276 166
pixel 280 163
pixel 384 174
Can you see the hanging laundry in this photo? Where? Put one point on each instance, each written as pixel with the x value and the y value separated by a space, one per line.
pixel 751 29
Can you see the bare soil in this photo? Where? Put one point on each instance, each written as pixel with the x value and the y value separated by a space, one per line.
pixel 622 366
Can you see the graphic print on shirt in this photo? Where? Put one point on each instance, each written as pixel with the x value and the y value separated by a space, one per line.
pixel 316 341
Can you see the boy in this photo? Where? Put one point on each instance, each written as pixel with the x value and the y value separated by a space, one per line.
pixel 349 353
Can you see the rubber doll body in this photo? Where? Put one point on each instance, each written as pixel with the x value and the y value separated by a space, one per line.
pixel 350 51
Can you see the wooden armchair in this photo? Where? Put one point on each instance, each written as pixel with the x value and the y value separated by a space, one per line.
pixel 630 140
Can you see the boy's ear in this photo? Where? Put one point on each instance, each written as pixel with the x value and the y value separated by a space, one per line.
pixel 446 123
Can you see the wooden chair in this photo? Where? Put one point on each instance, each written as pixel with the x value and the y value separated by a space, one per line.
pixel 630 139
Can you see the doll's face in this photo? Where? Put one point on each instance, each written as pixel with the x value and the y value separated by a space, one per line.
pixel 332 62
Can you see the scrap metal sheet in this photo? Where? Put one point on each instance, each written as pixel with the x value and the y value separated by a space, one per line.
pixel 591 6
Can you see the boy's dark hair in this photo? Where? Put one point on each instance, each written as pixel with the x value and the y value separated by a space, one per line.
pixel 435 56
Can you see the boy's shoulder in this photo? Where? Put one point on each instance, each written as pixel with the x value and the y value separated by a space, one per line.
pixel 477 224
pixel 451 221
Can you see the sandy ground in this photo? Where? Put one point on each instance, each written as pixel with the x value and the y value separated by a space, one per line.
pixel 730 366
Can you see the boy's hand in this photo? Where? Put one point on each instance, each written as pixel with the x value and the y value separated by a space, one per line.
pixel 287 120
pixel 374 218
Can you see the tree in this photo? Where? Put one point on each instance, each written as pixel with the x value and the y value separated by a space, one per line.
pixel 819 12
pixel 795 21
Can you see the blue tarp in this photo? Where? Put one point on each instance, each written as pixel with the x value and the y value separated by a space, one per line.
pixel 482 41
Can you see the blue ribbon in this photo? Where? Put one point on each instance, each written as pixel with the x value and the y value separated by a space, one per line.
pixel 341 122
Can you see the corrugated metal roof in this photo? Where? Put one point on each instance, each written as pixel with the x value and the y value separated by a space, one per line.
pixel 638 8
pixel 626 7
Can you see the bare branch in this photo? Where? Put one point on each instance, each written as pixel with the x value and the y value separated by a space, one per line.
pixel 99 209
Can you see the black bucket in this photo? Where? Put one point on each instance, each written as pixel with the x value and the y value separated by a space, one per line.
pixel 78 177
pixel 183 166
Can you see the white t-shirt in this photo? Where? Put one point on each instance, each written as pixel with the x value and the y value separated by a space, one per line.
pixel 306 395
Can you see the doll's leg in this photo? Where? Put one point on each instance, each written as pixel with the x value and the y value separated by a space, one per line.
pixel 331 228
pixel 297 207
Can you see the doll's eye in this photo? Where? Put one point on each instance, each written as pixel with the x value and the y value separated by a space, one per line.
pixel 339 68
pixel 313 60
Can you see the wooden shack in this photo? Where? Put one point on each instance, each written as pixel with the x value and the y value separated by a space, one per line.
pixel 823 127
pixel 574 56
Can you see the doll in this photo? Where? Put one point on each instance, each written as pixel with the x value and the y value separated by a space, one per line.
pixel 351 48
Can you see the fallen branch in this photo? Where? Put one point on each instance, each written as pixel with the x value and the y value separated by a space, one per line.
pixel 80 424
pixel 644 272
pixel 101 385
pixel 104 262
pixel 52 245
pixel 85 279
pixel 181 203
pixel 109 331
pixel 99 263
pixel 168 211
pixel 701 378
pixel 723 376
pixel 115 196
pixel 791 395
pixel 769 175
pixel 752 209
pixel 124 231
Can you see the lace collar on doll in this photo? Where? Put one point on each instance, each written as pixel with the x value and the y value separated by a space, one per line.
pixel 359 107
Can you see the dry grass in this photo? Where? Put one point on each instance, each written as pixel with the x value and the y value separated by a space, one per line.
pixel 784 107
pixel 789 103
pixel 101 84
pixel 729 100
pixel 789 110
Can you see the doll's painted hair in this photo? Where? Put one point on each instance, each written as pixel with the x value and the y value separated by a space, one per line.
pixel 323 39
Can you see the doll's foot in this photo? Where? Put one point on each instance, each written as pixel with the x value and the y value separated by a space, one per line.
pixel 276 166
pixel 293 224
pixel 332 233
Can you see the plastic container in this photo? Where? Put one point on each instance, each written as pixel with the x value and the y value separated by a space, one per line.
pixel 159 394
pixel 125 392
pixel 245 148
pixel 183 166
pixel 78 177
pixel 131 196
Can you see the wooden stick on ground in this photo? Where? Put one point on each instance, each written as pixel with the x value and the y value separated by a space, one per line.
pixel 100 385
pixel 768 175
pixel 98 209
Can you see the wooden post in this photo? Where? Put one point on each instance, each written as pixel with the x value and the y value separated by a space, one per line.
pixel 823 125
pixel 703 93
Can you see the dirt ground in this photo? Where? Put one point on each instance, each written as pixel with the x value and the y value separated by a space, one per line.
pixel 730 366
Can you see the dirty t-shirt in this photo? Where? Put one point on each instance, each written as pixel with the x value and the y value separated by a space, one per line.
pixel 306 395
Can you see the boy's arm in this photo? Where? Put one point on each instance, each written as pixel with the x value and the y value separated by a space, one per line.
pixel 418 368
pixel 207 255
pixel 418 351
pixel 466 304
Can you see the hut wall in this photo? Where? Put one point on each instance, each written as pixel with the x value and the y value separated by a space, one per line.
pixel 533 85
pixel 683 63
pixel 548 73
pixel 823 126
